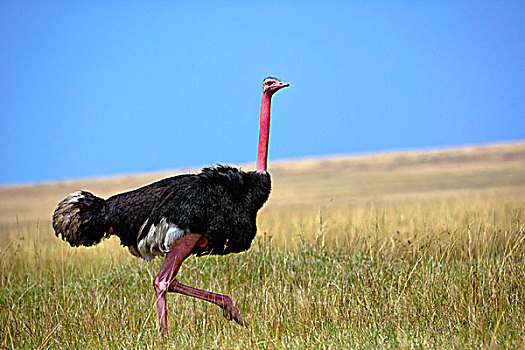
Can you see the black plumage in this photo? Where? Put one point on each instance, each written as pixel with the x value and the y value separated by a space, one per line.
pixel 220 202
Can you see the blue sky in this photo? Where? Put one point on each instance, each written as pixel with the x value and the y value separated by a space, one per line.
pixel 112 87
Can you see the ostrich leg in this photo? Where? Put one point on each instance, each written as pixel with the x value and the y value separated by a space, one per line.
pixel 166 282
pixel 223 301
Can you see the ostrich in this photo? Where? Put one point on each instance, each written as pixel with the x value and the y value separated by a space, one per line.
pixel 212 212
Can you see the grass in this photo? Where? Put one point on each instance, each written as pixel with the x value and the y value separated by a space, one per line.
pixel 436 269
pixel 450 274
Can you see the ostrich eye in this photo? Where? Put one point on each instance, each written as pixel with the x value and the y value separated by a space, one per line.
pixel 269 83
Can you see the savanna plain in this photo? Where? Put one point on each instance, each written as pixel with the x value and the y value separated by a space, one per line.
pixel 400 250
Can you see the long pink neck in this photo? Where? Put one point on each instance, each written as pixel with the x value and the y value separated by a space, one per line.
pixel 264 133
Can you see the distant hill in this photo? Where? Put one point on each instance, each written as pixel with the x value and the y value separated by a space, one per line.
pixel 489 170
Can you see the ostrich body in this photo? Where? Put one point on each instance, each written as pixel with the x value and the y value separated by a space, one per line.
pixel 212 212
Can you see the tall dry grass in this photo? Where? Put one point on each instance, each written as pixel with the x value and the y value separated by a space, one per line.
pixel 436 273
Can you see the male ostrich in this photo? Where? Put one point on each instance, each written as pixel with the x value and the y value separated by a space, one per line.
pixel 212 212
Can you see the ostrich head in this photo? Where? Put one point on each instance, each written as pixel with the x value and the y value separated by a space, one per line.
pixel 272 85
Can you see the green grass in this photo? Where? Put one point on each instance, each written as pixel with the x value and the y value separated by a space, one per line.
pixel 443 273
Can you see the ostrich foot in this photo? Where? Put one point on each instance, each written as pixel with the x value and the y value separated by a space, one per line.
pixel 230 312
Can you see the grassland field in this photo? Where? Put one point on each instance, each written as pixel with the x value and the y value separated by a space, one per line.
pixel 401 250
